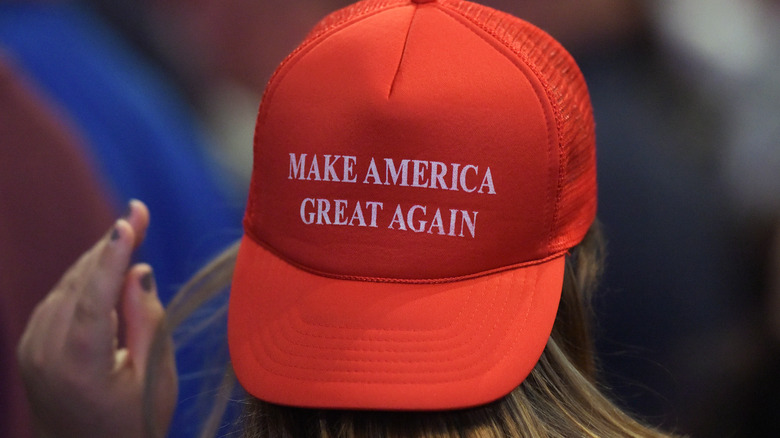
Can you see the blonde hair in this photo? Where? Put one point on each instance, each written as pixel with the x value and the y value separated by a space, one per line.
pixel 560 398
pixel 556 400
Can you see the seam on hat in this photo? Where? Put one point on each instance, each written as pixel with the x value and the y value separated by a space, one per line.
pixel 373 279
pixel 452 322
pixel 285 66
pixel 403 53
pixel 386 330
pixel 484 322
pixel 307 45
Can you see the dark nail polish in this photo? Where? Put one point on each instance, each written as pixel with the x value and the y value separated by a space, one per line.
pixel 147 281
pixel 114 234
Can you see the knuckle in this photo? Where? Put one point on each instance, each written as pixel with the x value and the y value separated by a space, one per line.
pixel 86 310
pixel 69 284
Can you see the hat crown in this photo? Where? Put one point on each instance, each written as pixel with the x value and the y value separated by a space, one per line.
pixel 405 141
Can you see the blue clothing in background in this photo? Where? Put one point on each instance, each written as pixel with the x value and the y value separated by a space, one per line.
pixel 142 138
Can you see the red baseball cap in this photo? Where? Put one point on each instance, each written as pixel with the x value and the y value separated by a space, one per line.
pixel 421 168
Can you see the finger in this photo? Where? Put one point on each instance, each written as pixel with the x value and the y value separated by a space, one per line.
pixel 143 314
pixel 98 297
pixel 150 348
pixel 138 218
pixel 90 341
pixel 52 318
pixel 74 279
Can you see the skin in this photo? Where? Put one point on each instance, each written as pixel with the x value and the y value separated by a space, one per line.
pixel 80 381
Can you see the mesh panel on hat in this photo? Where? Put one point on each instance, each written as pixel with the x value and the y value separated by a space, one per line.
pixel 568 95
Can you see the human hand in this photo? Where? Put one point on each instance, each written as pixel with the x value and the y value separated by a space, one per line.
pixel 79 382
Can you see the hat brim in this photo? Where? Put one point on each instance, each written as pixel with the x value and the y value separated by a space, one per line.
pixel 301 339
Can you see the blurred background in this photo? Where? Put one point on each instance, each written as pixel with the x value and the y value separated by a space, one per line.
pixel 106 100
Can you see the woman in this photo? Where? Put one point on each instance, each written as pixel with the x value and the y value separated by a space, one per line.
pixel 420 205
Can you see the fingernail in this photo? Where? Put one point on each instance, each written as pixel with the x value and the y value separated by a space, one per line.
pixel 114 234
pixel 147 281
